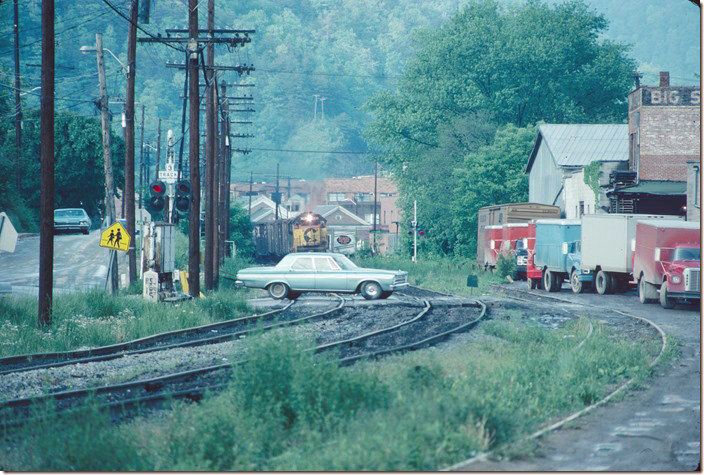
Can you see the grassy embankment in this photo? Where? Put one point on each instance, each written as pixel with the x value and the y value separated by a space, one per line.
pixel 292 411
pixel 96 318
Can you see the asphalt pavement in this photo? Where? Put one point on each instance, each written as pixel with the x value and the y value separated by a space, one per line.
pixel 79 264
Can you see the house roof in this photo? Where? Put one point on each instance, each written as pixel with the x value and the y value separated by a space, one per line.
pixel 654 187
pixel 360 184
pixel 578 145
pixel 327 210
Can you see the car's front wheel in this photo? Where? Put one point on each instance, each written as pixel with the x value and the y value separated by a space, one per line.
pixel 278 290
pixel 371 290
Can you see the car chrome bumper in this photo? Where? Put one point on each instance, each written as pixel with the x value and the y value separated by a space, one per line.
pixel 239 283
pixel 402 285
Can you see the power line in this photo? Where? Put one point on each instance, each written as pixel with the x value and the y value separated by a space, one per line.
pixel 308 73
pixel 342 152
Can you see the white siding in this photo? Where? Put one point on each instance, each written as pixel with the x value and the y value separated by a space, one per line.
pixel 576 192
pixel 545 179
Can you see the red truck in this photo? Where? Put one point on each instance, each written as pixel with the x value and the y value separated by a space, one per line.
pixel 492 244
pixel 667 257
pixel 533 275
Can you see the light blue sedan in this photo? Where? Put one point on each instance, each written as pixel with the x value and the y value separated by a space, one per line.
pixel 321 272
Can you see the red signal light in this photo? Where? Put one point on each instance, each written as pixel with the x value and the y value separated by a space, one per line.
pixel 183 188
pixel 421 232
pixel 157 188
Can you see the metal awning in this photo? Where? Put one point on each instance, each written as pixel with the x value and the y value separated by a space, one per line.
pixel 654 187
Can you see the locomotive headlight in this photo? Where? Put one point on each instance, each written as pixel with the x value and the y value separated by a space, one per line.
pixel 309 218
pixel 676 279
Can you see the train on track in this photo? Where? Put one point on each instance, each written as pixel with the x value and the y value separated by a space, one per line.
pixel 307 232
pixel 609 253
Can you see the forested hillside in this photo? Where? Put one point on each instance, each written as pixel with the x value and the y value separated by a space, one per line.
pixel 344 51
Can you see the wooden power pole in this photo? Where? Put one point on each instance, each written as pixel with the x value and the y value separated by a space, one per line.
pixel 46 199
pixel 129 138
pixel 141 162
pixel 18 102
pixel 209 154
pixel 107 156
pixel 193 152
pixel 223 173
pixel 158 150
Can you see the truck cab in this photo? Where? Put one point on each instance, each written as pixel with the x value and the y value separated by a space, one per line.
pixel 557 251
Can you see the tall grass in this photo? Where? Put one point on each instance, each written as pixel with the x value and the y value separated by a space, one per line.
pixel 96 319
pixel 442 274
pixel 289 410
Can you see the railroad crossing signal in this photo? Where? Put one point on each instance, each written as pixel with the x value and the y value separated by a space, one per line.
pixel 156 203
pixel 182 202
pixel 115 237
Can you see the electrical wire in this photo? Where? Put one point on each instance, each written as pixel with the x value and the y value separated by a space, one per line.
pixel 341 152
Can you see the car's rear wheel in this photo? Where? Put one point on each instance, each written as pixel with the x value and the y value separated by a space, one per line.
pixel 278 290
pixel 371 290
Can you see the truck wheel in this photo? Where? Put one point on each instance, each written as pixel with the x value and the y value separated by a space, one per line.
pixel 533 283
pixel 371 290
pixel 665 301
pixel 278 290
pixel 550 281
pixel 604 283
pixel 578 286
pixel 645 291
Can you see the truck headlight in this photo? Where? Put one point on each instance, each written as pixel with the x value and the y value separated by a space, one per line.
pixel 676 279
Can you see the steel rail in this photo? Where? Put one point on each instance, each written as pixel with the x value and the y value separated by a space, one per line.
pixel 549 428
pixel 154 388
pixel 28 362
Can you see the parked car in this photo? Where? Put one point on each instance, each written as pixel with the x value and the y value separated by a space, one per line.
pixel 321 272
pixel 72 219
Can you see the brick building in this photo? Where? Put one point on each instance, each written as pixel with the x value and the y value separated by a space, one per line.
pixel 663 135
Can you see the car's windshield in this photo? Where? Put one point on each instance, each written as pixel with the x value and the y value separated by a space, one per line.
pixel 344 262
pixel 69 213
pixel 686 254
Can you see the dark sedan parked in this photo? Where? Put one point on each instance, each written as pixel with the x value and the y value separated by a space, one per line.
pixel 72 219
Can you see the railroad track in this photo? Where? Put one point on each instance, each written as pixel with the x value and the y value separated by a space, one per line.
pixel 194 384
pixel 536 296
pixel 189 337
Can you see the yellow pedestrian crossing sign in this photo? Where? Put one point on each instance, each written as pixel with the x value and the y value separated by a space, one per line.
pixel 115 237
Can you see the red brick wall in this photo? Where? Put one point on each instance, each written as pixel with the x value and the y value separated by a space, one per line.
pixel 669 137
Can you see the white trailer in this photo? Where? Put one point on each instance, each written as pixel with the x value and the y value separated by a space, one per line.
pixel 608 243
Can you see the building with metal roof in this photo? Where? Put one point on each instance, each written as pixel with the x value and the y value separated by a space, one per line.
pixel 563 149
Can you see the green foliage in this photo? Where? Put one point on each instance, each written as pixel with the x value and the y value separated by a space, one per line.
pixel 592 173
pixel 439 131
pixel 292 410
pixel 506 265
pixel 96 319
pixel 241 231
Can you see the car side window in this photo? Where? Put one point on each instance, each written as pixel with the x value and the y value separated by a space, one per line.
pixel 303 263
pixel 324 263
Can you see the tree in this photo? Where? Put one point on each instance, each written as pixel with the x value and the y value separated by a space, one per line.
pixel 241 230
pixel 488 67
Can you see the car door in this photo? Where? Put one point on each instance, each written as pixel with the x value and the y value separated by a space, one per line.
pixel 328 275
pixel 301 275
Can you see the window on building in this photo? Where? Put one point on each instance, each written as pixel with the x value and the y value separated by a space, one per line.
pixel 369 217
pixel 387 195
pixel 581 209
pixel 364 196
pixel 332 197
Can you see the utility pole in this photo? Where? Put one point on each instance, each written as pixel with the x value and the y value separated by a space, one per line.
pixel 223 174
pixel 228 175
pixel 46 199
pixel 193 153
pixel 376 172
pixel 107 156
pixel 129 138
pixel 158 150
pixel 277 195
pixel 18 103
pixel 250 196
pixel 209 155
pixel 141 162
pixel 415 231
pixel 215 217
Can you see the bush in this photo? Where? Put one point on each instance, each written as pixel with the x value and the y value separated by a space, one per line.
pixel 506 265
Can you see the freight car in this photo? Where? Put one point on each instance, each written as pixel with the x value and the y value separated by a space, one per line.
pixel 498 215
pixel 307 232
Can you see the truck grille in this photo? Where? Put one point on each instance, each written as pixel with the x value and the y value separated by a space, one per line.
pixel 691 280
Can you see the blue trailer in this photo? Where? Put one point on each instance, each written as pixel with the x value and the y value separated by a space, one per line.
pixel 558 253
